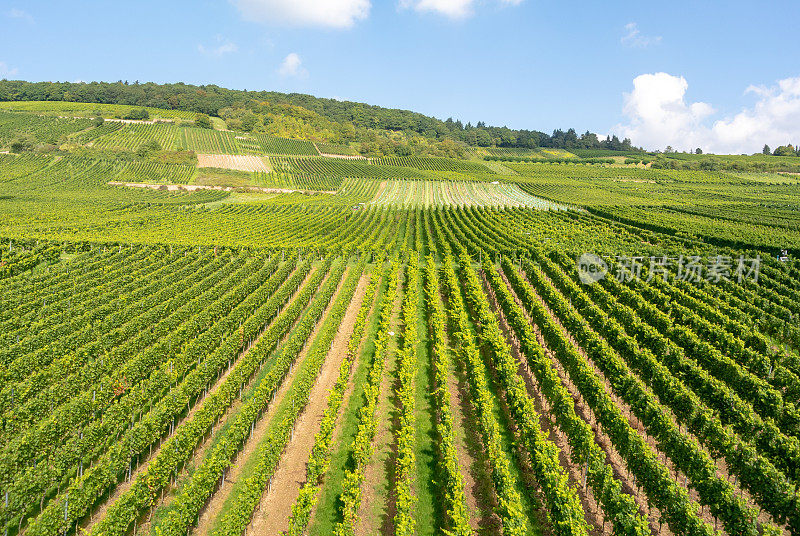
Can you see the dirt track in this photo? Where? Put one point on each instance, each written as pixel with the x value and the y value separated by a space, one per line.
pixel 214 507
pixel 276 505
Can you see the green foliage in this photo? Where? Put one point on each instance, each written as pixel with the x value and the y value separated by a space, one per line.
pixel 203 121
pixel 140 114
pixel 785 150
pixel 304 116
pixel 148 147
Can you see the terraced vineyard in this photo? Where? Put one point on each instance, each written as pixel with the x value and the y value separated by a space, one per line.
pixel 434 164
pixel 411 347
pixel 284 146
pixel 202 140
pixel 133 136
pixel 419 194
pixel 44 129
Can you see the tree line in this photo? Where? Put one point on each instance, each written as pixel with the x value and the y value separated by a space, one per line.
pixel 212 100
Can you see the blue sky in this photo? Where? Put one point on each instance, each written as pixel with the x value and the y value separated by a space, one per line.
pixel 521 63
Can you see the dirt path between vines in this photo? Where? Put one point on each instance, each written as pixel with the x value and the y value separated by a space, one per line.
pixel 348 393
pixel 202 447
pixel 478 489
pixel 376 486
pixel 276 504
pixel 614 459
pixel 381 188
pixel 215 504
pixel 592 510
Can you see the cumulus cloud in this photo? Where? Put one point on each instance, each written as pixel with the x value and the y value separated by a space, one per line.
pixel 222 47
pixel 774 119
pixel 635 39
pixel 454 9
pixel 325 13
pixel 292 66
pixel 659 115
pixel 6 71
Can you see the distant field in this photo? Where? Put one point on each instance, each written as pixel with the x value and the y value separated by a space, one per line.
pixel 156 173
pixel 330 148
pixel 133 136
pixel 424 194
pixel 539 152
pixel 79 109
pixel 202 140
pixel 284 146
pixel 48 130
pixel 433 164
pixel 235 162
pixel 336 167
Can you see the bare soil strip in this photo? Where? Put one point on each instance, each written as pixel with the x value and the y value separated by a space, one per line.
pixel 620 468
pixel 276 504
pixel 721 468
pixel 217 501
pixel 375 508
pixel 202 447
pixel 236 162
pixel 343 156
pixel 593 511
pixel 618 465
pixel 338 431
pixel 478 490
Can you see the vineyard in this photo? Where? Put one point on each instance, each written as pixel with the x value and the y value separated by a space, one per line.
pixel 133 136
pixel 424 194
pixel 80 109
pixel 284 146
pixel 44 129
pixel 434 164
pixel 202 140
pixel 404 345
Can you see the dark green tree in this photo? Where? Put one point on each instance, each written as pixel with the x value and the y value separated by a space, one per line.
pixel 203 121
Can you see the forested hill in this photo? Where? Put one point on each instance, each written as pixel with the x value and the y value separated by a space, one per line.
pixel 213 100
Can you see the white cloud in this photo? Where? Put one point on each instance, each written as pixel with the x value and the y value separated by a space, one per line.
pixel 454 9
pixel 6 71
pixel 658 115
pixel 223 47
pixel 15 13
pixel 774 120
pixel 292 66
pixel 327 13
pixel 633 37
